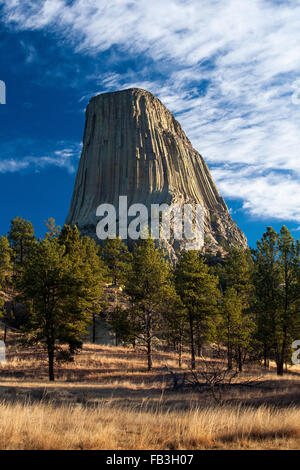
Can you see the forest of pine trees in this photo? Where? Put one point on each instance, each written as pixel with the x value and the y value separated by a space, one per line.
pixel 247 304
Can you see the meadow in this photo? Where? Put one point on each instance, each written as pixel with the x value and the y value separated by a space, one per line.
pixel 106 399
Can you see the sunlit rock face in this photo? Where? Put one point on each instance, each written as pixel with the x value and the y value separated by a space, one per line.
pixel 134 147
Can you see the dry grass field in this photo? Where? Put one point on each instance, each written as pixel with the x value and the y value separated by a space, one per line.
pixel 106 399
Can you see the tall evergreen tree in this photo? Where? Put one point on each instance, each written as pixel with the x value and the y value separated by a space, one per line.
pixel 122 324
pixel 199 293
pixel 235 328
pixel 289 297
pixel 22 239
pixel 85 251
pixel 148 287
pixel 236 280
pixel 5 261
pixel 237 273
pixel 277 291
pixel 69 237
pixel 53 229
pixel 175 320
pixel 266 282
pixel 117 258
pixel 95 277
pixel 61 285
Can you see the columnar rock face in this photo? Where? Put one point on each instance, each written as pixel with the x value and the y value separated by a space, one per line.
pixel 134 147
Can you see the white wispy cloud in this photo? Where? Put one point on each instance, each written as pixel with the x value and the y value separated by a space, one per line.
pixel 62 158
pixel 273 195
pixel 245 52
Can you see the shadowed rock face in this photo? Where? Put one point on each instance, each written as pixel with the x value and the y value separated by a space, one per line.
pixel 134 147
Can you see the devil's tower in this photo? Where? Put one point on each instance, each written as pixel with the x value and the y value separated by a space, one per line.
pixel 133 146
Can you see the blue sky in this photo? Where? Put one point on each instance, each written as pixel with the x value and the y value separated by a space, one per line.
pixel 229 71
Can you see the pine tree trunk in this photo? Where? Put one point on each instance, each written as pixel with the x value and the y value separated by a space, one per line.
pixel 149 341
pixel 192 344
pixel 5 334
pixel 282 354
pixel 229 356
pixel 199 346
pixel 149 354
pixel 180 353
pixel 94 329
pixel 180 346
pixel 229 346
pixel 280 368
pixel 265 357
pixel 50 345
pixel 51 363
pixel 240 361
pixel 280 364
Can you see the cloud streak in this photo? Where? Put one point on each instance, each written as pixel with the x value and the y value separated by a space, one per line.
pixel 63 158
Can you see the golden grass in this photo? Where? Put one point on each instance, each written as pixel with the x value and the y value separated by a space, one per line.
pixel 44 426
pixel 106 399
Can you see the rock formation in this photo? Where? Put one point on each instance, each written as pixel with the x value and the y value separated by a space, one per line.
pixel 133 146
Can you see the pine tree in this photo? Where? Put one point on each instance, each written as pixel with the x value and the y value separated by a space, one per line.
pixel 199 293
pixel 237 274
pixel 121 324
pixel 266 278
pixel 22 239
pixel 117 257
pixel 289 297
pixel 175 321
pixel 95 274
pixel 69 237
pixel 235 327
pixel 6 267
pixel 59 288
pixel 86 252
pixel 53 229
pixel 277 285
pixel 5 262
pixel 148 287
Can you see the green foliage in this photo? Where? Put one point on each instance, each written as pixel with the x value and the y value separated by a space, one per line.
pixel 148 287
pixel 242 302
pixel 5 261
pixel 120 321
pixel 235 326
pixel 199 294
pixel 69 237
pixel 277 289
pixel 22 239
pixel 61 284
pixel 237 272
pixel 266 282
pixel 117 257
pixel 95 274
pixel 53 229
pixel 5 272
pixel 86 253
pixel 174 323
